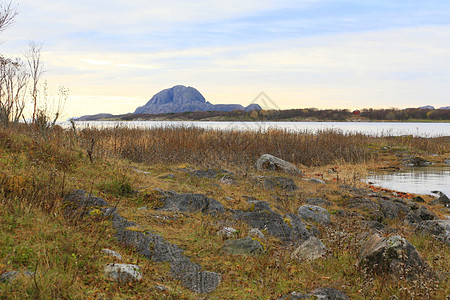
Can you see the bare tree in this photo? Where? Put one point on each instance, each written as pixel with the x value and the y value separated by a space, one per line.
pixel 35 68
pixel 13 85
pixel 7 14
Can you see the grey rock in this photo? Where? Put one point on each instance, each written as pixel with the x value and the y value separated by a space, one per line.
pixel 371 208
pixel 244 246
pixel 315 180
pixel 379 227
pixel 289 229
pixel 213 173
pixel 319 294
pixel 192 276
pixel 393 256
pixel 256 233
pixel 425 214
pixel 329 294
pixel 314 213
pixel 443 199
pixel 416 162
pixel 182 99
pixel 412 219
pixel 122 273
pixel 273 163
pixel 438 228
pixel 9 276
pixel 311 249
pixel 112 253
pixel 190 203
pixel 270 183
pixel 447 161
pixel 79 202
pixel 418 199
pixel 392 210
pixel 227 232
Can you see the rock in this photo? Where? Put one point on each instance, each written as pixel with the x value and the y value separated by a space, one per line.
pixel 439 228
pixel 227 232
pixel 212 173
pixel 392 210
pixel 318 202
pixel 319 294
pixel 412 219
pixel 393 256
pixel 256 233
pixel 314 213
pixel 270 183
pixel 9 276
pixel 79 202
pixel 443 199
pixel 311 249
pixel 418 199
pixel 122 273
pixel 289 229
pixel 190 203
pixel 112 253
pixel 447 161
pixel 315 180
pixel 416 162
pixel 379 227
pixel 192 276
pixel 371 208
pixel 273 163
pixel 329 294
pixel 245 246
pixel 425 214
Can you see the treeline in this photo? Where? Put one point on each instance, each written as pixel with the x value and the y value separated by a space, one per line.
pixel 303 114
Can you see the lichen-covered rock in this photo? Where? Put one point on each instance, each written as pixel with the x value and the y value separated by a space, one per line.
pixel 393 256
pixel 273 163
pixel 190 203
pixel 212 173
pixel 122 273
pixel 425 214
pixel 416 162
pixel 314 213
pixel 289 229
pixel 443 199
pixel 227 232
pixel 256 233
pixel 311 249
pixel 244 246
pixel 80 202
pixel 112 253
pixel 438 228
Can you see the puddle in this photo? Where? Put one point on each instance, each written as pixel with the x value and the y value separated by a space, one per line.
pixel 414 180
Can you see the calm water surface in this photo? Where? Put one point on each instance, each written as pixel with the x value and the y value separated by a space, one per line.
pixel 415 180
pixel 372 128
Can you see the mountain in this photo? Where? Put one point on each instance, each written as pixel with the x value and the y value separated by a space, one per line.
pixel 182 99
pixel 444 107
pixel 426 107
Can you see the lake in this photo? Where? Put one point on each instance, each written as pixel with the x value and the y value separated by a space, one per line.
pixel 414 180
pixel 371 128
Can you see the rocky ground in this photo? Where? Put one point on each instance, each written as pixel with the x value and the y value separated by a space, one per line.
pixel 273 231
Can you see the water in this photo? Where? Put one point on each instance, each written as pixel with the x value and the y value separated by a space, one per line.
pixel 415 180
pixel 371 128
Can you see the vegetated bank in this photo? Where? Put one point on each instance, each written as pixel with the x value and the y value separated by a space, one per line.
pixel 147 175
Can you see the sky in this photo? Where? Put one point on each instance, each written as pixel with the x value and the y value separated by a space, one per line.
pixel 115 55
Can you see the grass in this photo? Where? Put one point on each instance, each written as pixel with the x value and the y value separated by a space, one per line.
pixel 66 255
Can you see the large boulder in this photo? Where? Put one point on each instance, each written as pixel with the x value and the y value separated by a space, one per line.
pixel 393 256
pixel 314 213
pixel 393 209
pixel 245 246
pixel 311 249
pixel 273 163
pixel 190 203
pixel 443 199
pixel 416 162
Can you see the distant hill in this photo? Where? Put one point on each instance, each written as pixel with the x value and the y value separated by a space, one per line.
pixel 185 99
pixel 426 107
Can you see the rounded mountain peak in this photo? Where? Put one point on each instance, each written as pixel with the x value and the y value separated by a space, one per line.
pixel 178 94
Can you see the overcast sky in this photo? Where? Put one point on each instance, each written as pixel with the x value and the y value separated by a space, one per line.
pixel 114 55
